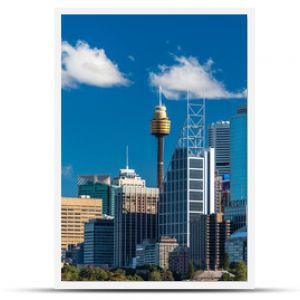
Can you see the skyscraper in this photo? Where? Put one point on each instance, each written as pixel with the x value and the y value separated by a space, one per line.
pixel 236 212
pixel 211 233
pixel 238 155
pixel 188 190
pixel 98 186
pixel 136 215
pixel 219 138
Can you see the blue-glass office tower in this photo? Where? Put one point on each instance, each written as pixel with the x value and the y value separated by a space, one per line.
pixel 236 212
pixel 238 155
pixel 98 186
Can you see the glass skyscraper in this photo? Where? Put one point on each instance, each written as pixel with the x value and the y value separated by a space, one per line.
pixel 238 155
pixel 188 193
pixel 236 212
pixel 219 138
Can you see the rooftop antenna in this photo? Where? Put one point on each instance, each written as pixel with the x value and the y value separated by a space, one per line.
pixel 127 158
pixel 160 92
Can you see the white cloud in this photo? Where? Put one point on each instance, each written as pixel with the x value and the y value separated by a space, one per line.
pixel 188 75
pixel 67 171
pixel 91 66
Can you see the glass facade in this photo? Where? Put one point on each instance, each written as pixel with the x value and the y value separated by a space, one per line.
pixel 236 246
pixel 184 197
pixel 99 242
pixel 238 156
pixel 219 138
pixel 100 191
pixel 236 211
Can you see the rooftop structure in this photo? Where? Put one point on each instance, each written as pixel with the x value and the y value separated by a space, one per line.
pixel 128 177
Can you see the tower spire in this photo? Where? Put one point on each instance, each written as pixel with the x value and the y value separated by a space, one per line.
pixel 160 92
pixel 127 167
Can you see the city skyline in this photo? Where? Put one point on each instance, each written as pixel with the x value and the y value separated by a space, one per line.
pixel 183 221
pixel 98 115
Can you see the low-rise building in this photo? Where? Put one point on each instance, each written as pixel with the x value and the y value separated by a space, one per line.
pixel 165 246
pixel 179 260
pixel 151 253
pixel 75 212
pixel 146 254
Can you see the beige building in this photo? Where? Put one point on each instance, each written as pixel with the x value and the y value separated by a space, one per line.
pixel 165 246
pixel 75 212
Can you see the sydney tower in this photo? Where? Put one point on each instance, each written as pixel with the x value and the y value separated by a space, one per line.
pixel 160 126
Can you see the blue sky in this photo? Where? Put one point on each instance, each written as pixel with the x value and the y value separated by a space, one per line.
pixel 99 118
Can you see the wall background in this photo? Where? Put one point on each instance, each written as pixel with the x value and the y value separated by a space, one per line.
pixel 27 146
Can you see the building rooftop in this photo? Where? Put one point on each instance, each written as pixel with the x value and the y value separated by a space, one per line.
pixel 220 123
pixel 93 178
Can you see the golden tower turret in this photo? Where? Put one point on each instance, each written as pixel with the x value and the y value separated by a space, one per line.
pixel 160 126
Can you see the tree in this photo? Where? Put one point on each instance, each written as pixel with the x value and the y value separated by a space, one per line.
pixel 239 269
pixel 101 275
pixel 154 268
pixel 135 277
pixel 154 276
pixel 120 271
pixel 191 270
pixel 70 273
pixel 167 275
pixel 226 261
pixel 226 277
pixel 93 274
pixel 118 277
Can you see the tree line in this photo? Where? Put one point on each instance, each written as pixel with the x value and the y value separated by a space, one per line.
pixel 151 273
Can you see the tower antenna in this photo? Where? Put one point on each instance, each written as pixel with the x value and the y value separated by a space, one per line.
pixel 160 92
pixel 127 167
